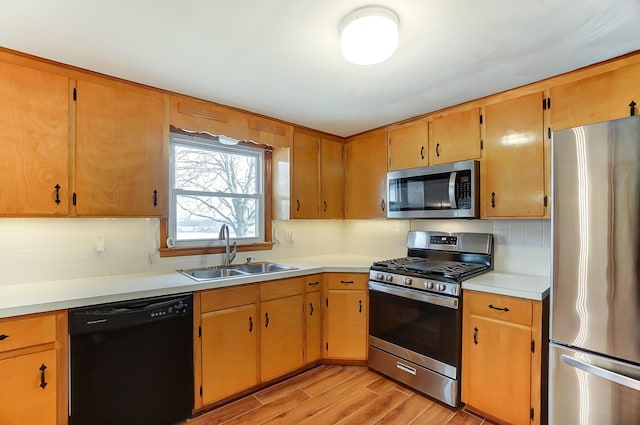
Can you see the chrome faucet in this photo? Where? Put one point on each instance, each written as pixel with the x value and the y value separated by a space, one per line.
pixel 228 255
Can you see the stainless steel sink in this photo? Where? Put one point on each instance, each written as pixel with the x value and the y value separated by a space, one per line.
pixel 210 273
pixel 256 268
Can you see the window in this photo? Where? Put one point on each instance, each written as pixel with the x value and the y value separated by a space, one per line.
pixel 214 184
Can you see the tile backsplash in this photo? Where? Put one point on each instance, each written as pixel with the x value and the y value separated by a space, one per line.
pixel 33 250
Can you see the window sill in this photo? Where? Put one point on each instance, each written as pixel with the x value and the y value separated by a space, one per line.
pixel 180 252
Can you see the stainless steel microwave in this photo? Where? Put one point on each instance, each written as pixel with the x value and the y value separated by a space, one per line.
pixel 439 191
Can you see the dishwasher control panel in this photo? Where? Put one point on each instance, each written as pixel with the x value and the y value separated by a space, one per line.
pixel 179 307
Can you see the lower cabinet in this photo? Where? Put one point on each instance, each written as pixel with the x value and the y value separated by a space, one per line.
pixel 282 327
pixel 33 359
pixel 346 316
pixel 502 352
pixel 229 325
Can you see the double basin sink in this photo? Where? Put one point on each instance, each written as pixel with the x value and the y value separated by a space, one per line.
pixel 209 273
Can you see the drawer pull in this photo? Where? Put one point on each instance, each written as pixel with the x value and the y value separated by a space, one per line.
pixel 491 306
pixel 43 382
pixel 3 337
pixel 316 283
pixel 347 282
pixel 405 368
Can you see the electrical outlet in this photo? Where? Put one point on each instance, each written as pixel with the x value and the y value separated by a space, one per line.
pixel 100 242
pixel 288 236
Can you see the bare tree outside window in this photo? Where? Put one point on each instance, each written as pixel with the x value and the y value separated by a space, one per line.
pixel 215 185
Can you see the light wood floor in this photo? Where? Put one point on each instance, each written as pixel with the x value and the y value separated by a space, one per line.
pixel 331 394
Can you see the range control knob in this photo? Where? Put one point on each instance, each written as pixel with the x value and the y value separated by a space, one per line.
pixel 379 276
pixel 407 281
pixel 388 278
pixel 441 287
pixel 428 284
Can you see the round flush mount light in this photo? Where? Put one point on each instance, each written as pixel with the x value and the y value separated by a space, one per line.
pixel 369 35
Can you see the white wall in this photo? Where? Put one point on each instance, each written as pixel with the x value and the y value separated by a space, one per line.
pixel 33 250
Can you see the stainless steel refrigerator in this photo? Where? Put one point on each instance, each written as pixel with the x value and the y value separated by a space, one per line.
pixel 594 364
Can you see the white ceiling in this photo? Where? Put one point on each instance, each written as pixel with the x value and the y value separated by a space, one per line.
pixel 281 58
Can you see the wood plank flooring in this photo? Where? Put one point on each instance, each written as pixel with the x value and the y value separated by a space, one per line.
pixel 330 394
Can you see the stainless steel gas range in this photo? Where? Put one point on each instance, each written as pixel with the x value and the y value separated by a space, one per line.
pixel 415 316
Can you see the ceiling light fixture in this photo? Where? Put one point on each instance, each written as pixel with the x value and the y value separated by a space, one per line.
pixel 369 35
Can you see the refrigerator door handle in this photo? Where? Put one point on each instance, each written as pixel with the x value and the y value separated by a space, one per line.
pixel 602 373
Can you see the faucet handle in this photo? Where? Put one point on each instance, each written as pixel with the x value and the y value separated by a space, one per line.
pixel 249 260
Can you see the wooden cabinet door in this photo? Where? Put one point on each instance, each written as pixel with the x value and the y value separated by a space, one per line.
pixel 366 177
pixel 347 331
pixel 332 179
pixel 512 180
pixel 599 98
pixel 409 146
pixel 229 352
pixel 306 176
pixel 281 336
pixel 313 327
pixel 24 399
pixel 120 166
pixel 34 132
pixel 496 370
pixel 455 137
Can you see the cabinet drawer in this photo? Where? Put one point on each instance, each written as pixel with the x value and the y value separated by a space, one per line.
pixel 281 288
pixel 346 280
pixel 218 299
pixel 20 333
pixel 313 282
pixel 500 307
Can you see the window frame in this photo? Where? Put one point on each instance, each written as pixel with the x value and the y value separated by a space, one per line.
pixel 212 246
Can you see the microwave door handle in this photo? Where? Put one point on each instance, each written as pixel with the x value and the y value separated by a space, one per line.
pixel 452 190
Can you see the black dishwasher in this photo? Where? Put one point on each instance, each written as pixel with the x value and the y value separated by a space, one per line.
pixel 132 362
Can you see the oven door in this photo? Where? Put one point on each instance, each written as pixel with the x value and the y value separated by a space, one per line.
pixel 418 326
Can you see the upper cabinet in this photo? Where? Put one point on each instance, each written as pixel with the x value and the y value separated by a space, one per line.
pixel 512 170
pixel 34 133
pixel 409 146
pixel 120 159
pixel 602 97
pixel 317 177
pixel 366 176
pixel 455 137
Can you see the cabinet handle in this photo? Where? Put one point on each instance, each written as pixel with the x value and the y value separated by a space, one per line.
pixel 316 283
pixel 3 337
pixel 325 206
pixel 382 205
pixel 297 205
pixel 311 309
pixel 347 282
pixel 43 382
pixel 250 324
pixel 422 152
pixel 475 336
pixel 498 308
pixel 155 198
pixel 493 199
pixel 57 187
pixel 437 149
pixel 360 308
pixel 632 108
pixel 266 320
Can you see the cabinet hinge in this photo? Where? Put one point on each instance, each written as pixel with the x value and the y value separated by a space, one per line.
pixel 549 132
pixel 546 201
pixel 548 103
pixel 531 414
pixel 533 346
pixel 480 118
pixel 75 94
pixel 481 144
pixel 199 331
pixel 74 198
pixel 200 390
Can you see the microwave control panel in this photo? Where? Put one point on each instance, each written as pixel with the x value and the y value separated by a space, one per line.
pixel 463 191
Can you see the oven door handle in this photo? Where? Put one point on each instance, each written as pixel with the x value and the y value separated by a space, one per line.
pixel 414 295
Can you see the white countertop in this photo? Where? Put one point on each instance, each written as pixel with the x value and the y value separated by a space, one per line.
pixel 515 285
pixel 39 297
